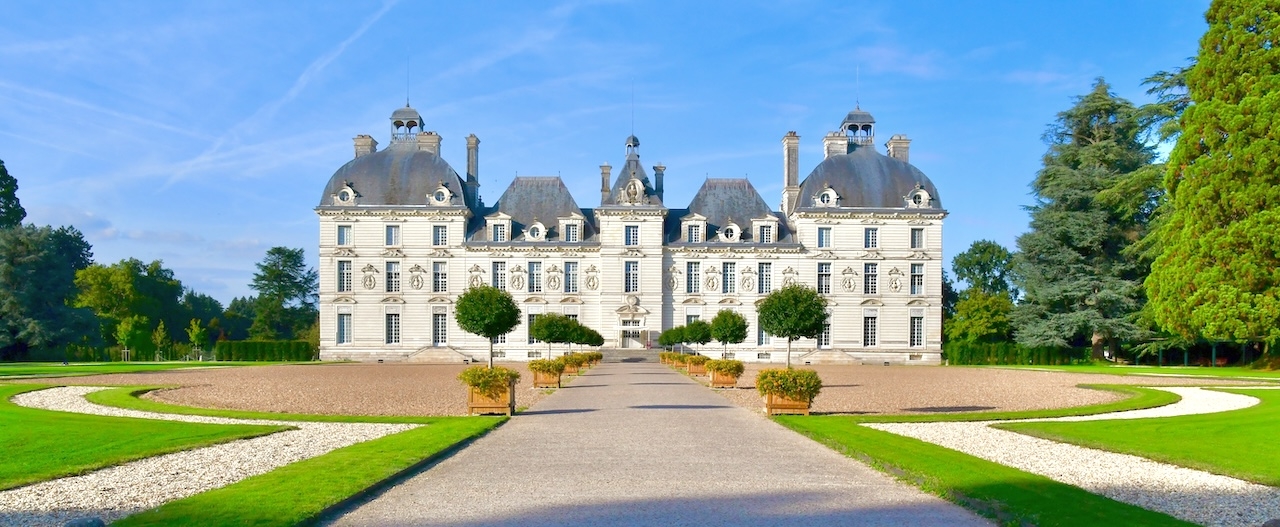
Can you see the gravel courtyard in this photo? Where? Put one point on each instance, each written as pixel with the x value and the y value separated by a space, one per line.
pixel 433 389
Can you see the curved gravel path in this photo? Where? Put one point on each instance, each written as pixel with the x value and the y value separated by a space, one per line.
pixel 115 492
pixel 1192 495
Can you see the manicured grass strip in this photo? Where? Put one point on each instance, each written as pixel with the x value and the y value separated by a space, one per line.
pixel 1231 372
pixel 1010 496
pixel 1140 398
pixel 55 369
pixel 1236 443
pixel 299 492
pixel 40 444
pixel 128 397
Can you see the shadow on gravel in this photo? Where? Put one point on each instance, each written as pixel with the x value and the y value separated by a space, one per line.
pixel 679 406
pixel 553 412
pixel 941 409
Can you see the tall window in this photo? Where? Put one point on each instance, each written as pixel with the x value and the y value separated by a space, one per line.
pixel 393 235
pixel 917 279
pixel 344 328
pixel 729 277
pixel 571 232
pixel 766 234
pixel 868 331
pixel 631 235
pixel 439 329
pixel 531 318
pixel 571 277
pixel 393 277
pixel 824 338
pixel 393 328
pixel 917 331
pixel 692 278
pixel 917 237
pixel 764 272
pixel 870 279
pixel 631 277
pixel 499 232
pixel 500 275
pixel 535 277
pixel 693 233
pixel 439 277
pixel 344 235
pixel 870 238
pixel 762 338
pixel 440 235
pixel 824 236
pixel 344 276
pixel 824 278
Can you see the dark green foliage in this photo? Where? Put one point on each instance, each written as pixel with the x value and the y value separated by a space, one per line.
pixel 672 337
pixel 793 312
pixel 264 350
pixel 987 267
pixel 133 288
pixel 487 311
pixel 1218 274
pixel 38 266
pixel 728 327
pixel 556 328
pixel 287 295
pixel 490 381
pixel 697 332
pixel 1170 88
pixel 980 316
pixel 237 319
pixel 1077 282
pixel 11 211
pixel 797 385
pixel 978 353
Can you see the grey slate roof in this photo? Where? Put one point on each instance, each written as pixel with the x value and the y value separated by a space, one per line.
pixel 623 175
pixel 538 198
pixel 406 113
pixel 399 175
pixel 722 201
pixel 865 178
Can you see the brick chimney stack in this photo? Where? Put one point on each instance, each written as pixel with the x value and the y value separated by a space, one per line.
pixel 365 145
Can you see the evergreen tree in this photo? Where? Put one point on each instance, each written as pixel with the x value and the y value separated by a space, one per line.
pixel 1218 273
pixel 1077 283
pixel 287 294
pixel 11 211
pixel 37 282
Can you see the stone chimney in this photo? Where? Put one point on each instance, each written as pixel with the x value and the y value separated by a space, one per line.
pixel 365 145
pixel 898 146
pixel 790 171
pixel 429 142
pixel 605 170
pixel 835 143
pixel 473 167
pixel 658 171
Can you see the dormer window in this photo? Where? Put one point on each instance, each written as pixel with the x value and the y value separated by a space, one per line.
pixel 571 228
pixel 730 232
pixel 765 229
pixel 693 233
pixel 919 198
pixel 827 198
pixel 571 233
pixel 498 225
pixel 499 232
pixel 345 195
pixel 441 196
pixel 693 227
pixel 536 232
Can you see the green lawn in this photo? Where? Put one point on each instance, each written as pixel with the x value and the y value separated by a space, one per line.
pixel 43 444
pixel 56 369
pixel 1138 398
pixel 128 397
pixel 1231 372
pixel 1231 443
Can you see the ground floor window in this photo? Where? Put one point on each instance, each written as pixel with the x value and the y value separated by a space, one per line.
pixel 917 331
pixel 868 331
pixel 393 328
pixel 439 329
pixel 824 338
pixel 500 339
pixel 344 328
pixel 532 317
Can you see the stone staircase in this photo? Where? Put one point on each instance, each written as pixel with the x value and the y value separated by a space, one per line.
pixel 823 357
pixel 438 355
pixel 630 355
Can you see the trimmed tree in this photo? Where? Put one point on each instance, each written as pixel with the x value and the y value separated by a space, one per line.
pixel 697 332
pixel 793 312
pixel 487 311
pixel 1218 275
pixel 553 327
pixel 728 327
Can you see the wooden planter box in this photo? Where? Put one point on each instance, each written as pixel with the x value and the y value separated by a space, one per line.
pixel 720 380
pixel 570 369
pixel 696 369
pixel 504 403
pixel 546 380
pixel 777 404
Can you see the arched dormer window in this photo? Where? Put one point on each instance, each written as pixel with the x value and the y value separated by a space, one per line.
pixel 919 198
pixel 536 232
pixel 441 196
pixel 730 232
pixel 826 198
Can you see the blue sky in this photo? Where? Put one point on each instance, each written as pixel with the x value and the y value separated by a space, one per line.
pixel 202 134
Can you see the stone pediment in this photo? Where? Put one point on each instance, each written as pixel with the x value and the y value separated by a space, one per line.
pixel 731 302
pixel 343 251
pixel 393 300
pixel 631 310
pixel 571 300
pixel 439 300
pixel 694 300
pixel 872 302
pixel 393 253
pixel 344 300
pixel 918 302
pixel 535 300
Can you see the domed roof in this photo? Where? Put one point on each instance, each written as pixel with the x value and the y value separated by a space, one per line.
pixel 858 115
pixel 406 114
pixel 633 141
pixel 400 175
pixel 867 179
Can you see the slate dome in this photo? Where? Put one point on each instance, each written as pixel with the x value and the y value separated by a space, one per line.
pixel 402 174
pixel 865 178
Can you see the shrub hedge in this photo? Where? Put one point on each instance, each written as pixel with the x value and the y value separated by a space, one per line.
pixel 977 353
pixel 732 368
pixel 263 350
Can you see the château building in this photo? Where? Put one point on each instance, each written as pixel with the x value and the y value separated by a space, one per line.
pixel 402 235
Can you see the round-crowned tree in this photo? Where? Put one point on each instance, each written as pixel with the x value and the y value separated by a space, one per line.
pixel 728 327
pixel 697 332
pixel 487 311
pixel 554 328
pixel 793 312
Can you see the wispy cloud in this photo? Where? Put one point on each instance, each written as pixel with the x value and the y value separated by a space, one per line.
pixel 72 102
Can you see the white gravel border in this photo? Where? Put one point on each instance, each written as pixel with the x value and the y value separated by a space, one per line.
pixel 1191 495
pixel 115 492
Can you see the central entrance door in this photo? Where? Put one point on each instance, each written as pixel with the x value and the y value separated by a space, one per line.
pixel 631 337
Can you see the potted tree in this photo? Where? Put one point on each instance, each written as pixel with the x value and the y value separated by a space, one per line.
pixel 487 311
pixel 546 372
pixel 697 332
pixel 573 362
pixel 728 327
pixel 492 390
pixel 725 372
pixel 696 364
pixel 678 360
pixel 793 312
pixel 552 328
pixel 788 391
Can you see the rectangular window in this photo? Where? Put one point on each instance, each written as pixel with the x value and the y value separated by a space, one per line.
pixel 868 331
pixel 917 279
pixel 393 328
pixel 393 277
pixel 766 234
pixel 917 331
pixel 824 338
pixel 499 232
pixel 393 235
pixel 693 278
pixel 693 233
pixel 631 277
pixel 870 238
pixel 917 238
pixel 344 235
pixel 500 339
pixel 571 277
pixel 571 232
pixel 344 276
pixel 344 328
pixel 688 319
pixel 631 235
pixel 529 328
pixel 824 278
pixel 440 277
pixel 762 338
pixel 765 272
pixel 439 329
pixel 440 235
pixel 870 279
pixel 500 275
pixel 729 277
pixel 535 277
pixel 824 236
